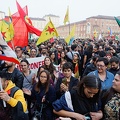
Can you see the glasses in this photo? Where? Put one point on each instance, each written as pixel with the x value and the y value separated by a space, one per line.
pixel 101 66
pixel 43 76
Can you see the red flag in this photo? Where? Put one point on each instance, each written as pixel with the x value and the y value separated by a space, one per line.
pixel 27 21
pixel 51 40
pixel 10 59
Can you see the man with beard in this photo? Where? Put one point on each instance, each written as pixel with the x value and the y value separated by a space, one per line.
pixel 114 62
pixel 13 74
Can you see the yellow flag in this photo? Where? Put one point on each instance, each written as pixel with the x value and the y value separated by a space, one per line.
pixel 70 37
pixel 95 33
pixel 66 18
pixel 5 30
pixel 11 28
pixel 48 32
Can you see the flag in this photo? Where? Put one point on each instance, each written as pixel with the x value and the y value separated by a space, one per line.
pixel 9 54
pixel 69 40
pixel 116 37
pixel 51 40
pixel 27 21
pixel 48 32
pixel 117 20
pixel 5 30
pixel 11 28
pixel 66 18
pixel 109 31
pixel 21 37
pixel 100 37
pixel 95 34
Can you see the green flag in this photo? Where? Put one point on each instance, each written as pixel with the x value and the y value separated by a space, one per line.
pixel 116 38
pixel 117 20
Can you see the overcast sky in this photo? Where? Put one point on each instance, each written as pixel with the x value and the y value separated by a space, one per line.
pixel 78 9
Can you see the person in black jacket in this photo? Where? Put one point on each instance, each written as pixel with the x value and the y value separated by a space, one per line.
pixel 82 101
pixel 13 74
pixel 115 65
pixel 67 82
pixel 92 66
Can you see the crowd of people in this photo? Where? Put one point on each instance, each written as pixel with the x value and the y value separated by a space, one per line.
pixel 85 87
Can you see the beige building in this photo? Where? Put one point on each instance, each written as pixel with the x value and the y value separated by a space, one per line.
pixel 54 19
pixel 40 23
pixel 85 29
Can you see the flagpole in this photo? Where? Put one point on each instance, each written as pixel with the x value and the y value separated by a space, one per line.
pixel 69 28
pixel 12 45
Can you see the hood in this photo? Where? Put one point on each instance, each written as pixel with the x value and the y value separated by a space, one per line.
pixel 10 85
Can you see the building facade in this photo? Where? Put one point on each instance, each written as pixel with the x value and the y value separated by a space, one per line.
pixel 40 23
pixel 54 19
pixel 103 25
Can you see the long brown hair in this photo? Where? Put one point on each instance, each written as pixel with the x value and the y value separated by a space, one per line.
pixel 37 87
pixel 51 67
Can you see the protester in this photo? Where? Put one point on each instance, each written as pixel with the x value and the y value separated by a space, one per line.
pixel 67 82
pixel 74 49
pixel 53 57
pixel 14 99
pixel 76 66
pixel 44 94
pixel 20 54
pixel 33 53
pixel 62 57
pixel 111 100
pixel 105 76
pixel 48 65
pixel 115 65
pixel 87 55
pixel 81 101
pixel 13 74
pixel 29 80
pixel 92 66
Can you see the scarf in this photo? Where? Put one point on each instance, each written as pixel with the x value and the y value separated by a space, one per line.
pixel 76 70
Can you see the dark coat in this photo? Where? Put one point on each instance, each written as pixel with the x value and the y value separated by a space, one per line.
pixel 91 67
pixel 73 82
pixel 16 76
pixel 50 97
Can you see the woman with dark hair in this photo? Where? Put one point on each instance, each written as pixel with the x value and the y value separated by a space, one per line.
pixel 62 57
pixel 77 66
pixel 48 65
pixel 53 57
pixel 111 100
pixel 44 94
pixel 41 68
pixel 87 55
pixel 29 80
pixel 82 101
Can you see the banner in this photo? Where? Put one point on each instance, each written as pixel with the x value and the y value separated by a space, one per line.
pixel 35 63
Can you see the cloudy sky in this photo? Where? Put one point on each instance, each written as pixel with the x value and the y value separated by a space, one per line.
pixel 78 9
